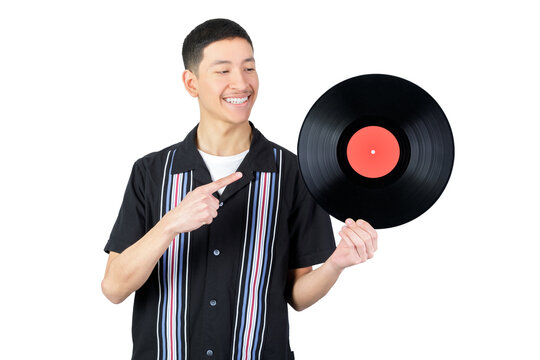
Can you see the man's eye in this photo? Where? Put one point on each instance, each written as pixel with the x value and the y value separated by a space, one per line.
pixel 250 69
pixel 223 72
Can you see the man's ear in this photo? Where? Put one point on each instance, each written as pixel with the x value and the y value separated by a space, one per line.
pixel 190 83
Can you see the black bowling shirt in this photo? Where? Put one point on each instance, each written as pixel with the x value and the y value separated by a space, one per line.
pixel 219 291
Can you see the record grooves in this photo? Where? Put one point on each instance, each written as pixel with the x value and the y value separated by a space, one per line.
pixel 376 147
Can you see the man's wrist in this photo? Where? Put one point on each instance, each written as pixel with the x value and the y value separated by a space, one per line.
pixel 166 228
pixel 332 266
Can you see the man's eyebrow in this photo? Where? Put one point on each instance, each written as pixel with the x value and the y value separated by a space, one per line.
pixel 219 62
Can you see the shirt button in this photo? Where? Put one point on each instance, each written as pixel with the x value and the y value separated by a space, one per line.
pixel 221 204
pixel 216 252
pixel 213 302
pixel 209 353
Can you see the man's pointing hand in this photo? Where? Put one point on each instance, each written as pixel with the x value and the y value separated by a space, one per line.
pixel 199 207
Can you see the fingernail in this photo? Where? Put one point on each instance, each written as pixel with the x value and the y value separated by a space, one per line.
pixel 349 222
pixel 239 174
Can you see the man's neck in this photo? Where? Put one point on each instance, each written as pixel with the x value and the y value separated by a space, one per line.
pixel 223 139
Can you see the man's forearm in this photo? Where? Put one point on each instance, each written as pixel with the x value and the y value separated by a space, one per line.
pixel 311 287
pixel 128 271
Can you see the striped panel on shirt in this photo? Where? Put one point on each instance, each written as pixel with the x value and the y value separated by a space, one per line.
pixel 257 260
pixel 173 267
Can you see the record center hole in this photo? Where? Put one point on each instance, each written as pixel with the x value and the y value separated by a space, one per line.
pixel 372 152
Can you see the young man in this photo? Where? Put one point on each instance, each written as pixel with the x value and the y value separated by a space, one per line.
pixel 218 232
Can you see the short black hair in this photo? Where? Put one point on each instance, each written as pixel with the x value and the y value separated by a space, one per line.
pixel 205 34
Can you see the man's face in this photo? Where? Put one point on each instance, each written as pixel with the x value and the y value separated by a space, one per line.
pixel 227 84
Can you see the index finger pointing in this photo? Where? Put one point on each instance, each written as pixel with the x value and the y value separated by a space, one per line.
pixel 221 183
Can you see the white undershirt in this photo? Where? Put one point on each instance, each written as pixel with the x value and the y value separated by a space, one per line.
pixel 221 166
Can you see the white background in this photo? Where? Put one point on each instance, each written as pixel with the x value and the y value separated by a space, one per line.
pixel 88 87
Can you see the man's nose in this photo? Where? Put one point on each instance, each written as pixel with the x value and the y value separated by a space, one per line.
pixel 238 80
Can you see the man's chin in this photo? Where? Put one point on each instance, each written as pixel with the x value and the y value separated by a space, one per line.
pixel 237 121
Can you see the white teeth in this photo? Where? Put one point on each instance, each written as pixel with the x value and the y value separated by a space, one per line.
pixel 236 100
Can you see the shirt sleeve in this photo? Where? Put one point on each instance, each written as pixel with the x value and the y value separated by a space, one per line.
pixel 130 223
pixel 311 235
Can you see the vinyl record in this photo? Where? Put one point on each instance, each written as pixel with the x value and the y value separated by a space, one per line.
pixel 376 147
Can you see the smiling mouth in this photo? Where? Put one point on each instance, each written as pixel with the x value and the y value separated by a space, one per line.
pixel 237 100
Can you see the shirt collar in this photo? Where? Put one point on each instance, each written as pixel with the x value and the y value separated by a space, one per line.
pixel 259 158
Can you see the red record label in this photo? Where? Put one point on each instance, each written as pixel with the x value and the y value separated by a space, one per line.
pixel 373 152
